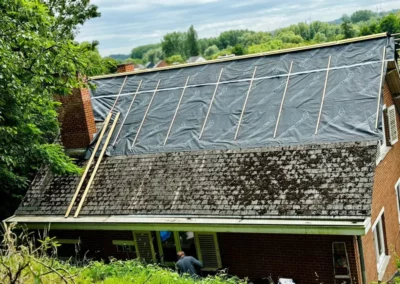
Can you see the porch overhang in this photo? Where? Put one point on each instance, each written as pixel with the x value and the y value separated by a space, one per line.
pixel 303 226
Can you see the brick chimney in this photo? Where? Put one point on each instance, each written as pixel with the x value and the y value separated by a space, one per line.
pixel 127 67
pixel 77 119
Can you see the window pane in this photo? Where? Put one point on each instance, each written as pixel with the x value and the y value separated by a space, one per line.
pixel 168 246
pixel 378 238
pixel 398 195
pixel 188 243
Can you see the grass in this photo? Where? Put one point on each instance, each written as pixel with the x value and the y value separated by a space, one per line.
pixel 24 259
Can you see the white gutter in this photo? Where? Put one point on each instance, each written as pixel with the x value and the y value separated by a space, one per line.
pixel 200 224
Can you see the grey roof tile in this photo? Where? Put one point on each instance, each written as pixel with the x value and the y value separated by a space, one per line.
pixel 306 180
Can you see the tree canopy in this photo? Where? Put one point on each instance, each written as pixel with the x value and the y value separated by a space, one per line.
pixel 38 59
pixel 186 44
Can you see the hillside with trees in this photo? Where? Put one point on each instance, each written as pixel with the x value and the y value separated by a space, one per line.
pixel 179 46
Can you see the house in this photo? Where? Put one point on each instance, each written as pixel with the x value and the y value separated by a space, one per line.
pixel 195 59
pixel 282 164
pixel 149 65
pixel 161 63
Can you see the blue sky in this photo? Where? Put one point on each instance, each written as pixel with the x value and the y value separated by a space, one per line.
pixel 125 24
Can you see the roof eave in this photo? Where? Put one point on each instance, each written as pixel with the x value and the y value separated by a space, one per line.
pixel 333 226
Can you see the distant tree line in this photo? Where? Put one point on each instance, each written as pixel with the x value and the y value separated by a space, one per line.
pixel 177 47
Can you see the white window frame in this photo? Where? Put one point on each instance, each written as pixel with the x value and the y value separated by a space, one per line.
pixel 397 190
pixel 382 260
pixel 124 243
pixel 383 148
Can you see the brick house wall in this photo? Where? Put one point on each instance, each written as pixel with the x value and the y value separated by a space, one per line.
pixel 128 67
pixel 77 119
pixel 387 174
pixel 301 257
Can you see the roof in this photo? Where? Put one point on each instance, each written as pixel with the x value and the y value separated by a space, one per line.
pixel 195 59
pixel 281 135
pixel 328 94
pixel 299 181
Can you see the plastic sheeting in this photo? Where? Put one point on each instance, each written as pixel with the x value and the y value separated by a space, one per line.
pixel 348 113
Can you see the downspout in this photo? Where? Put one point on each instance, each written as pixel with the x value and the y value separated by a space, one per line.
pixel 362 262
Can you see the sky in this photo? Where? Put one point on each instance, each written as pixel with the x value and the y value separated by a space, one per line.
pixel 125 24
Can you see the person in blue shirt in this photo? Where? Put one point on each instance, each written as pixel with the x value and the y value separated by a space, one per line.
pixel 188 264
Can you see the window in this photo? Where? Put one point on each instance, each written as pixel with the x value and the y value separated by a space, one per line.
pixel 167 246
pixel 208 250
pixel 382 259
pixel 391 125
pixel 341 265
pixel 390 133
pixel 397 188
pixel 144 246
pixel 188 243
pixel 68 248
pixel 126 247
pixel 203 246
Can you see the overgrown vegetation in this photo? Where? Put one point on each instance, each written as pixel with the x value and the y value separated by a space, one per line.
pixel 239 42
pixel 24 259
pixel 38 59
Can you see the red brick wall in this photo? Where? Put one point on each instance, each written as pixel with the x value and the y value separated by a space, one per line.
pixel 125 68
pixel 386 175
pixel 288 256
pixel 77 119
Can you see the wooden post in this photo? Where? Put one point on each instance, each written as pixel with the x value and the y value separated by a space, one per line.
pixel 78 210
pixel 283 99
pixel 145 114
pixel 176 110
pixel 323 95
pixel 211 103
pixel 245 103
pixel 96 147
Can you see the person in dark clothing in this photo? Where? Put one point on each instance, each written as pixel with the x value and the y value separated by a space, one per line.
pixel 188 264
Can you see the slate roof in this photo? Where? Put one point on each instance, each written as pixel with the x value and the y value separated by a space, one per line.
pixel 312 180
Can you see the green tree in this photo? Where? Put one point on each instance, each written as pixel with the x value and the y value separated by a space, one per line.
pixel 139 51
pixel 347 28
pixel 390 24
pixel 68 15
pixel 38 59
pixel 238 49
pixel 174 43
pixel 191 42
pixel 175 59
pixel 153 55
pixel 361 16
pixel 230 38
pixel 320 37
pixel 211 50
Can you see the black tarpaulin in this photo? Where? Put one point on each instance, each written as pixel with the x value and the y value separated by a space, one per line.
pixel 348 113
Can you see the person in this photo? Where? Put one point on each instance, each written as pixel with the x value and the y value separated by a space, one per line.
pixel 188 264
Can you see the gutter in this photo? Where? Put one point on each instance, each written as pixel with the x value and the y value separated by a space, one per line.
pixel 288 50
pixel 199 224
